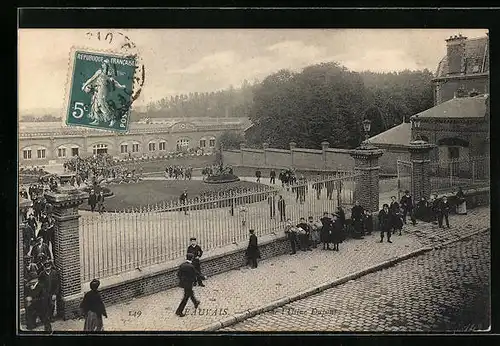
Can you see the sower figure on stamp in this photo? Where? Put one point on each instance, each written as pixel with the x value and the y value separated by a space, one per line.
pixel 197 252
pixel 99 86
pixel 93 308
pixel 187 275
pixel 384 222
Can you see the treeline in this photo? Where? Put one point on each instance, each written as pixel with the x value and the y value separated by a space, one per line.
pixel 329 102
pixel 231 102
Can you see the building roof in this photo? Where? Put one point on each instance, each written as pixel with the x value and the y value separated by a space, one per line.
pixel 475 56
pixel 397 135
pixel 460 108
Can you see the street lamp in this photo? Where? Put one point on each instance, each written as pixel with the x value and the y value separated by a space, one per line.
pixel 367 124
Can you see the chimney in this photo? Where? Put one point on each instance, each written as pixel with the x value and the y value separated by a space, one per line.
pixel 455 46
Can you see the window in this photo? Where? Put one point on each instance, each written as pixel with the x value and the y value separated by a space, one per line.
pixel 212 142
pixel 27 154
pixel 135 147
pixel 203 143
pixel 124 148
pixel 74 151
pixel 40 153
pixel 162 145
pixel 453 153
pixel 100 149
pixel 152 146
pixel 61 152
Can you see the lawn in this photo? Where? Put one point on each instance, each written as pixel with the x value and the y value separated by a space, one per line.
pixel 146 192
pixel 160 165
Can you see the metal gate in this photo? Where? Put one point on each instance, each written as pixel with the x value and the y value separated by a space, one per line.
pixel 404 177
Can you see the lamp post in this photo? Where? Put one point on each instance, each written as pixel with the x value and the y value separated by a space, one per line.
pixel 367 124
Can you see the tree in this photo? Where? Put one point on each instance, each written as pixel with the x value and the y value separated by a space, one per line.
pixel 231 139
pixel 324 101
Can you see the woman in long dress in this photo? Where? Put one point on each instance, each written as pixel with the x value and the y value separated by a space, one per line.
pixel 93 309
pixel 100 85
pixel 461 203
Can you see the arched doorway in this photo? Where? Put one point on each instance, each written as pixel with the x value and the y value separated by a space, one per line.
pixel 100 149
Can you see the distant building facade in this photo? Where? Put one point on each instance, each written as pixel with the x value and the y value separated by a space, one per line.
pixel 46 143
pixel 459 123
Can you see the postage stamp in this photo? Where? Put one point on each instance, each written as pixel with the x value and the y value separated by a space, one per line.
pixel 100 90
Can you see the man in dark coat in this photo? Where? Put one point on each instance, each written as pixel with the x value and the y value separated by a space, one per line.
pixel 36 304
pixel 272 177
pixel 100 202
pixel 326 231
pixel 407 205
pixel 394 211
pixel 197 252
pixel 49 279
pixel 291 233
pixel 443 212
pixel 28 236
pixel 304 235
pixel 282 208
pixel 434 204
pixel 357 213
pixel 31 222
pixel 384 222
pixel 336 233
pixel 183 200
pixel 187 275
pixel 92 200
pixel 40 249
pixel 252 251
pixel 258 174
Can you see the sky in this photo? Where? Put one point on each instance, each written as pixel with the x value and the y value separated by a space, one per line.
pixel 189 60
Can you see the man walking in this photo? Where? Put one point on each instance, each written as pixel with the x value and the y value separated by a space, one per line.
pixel 326 230
pixel 407 205
pixel 282 208
pixel 443 212
pixel 183 200
pixel 197 252
pixel 36 304
pixel 272 176
pixel 187 275
pixel 92 200
pixel 258 174
pixel 384 221
pixel 394 211
pixel 252 251
pixel 100 202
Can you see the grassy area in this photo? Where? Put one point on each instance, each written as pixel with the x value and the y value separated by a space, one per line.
pixel 156 191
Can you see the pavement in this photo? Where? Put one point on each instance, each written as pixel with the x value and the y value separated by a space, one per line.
pixel 237 291
pixel 444 290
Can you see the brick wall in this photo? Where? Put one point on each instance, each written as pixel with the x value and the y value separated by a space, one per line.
pixel 232 157
pixel 153 282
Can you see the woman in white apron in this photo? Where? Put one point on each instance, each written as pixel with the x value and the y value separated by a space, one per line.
pixel 461 203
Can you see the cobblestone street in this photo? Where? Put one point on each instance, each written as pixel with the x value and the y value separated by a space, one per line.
pixel 236 291
pixel 444 290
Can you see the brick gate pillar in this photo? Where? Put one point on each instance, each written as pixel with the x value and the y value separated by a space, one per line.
pixel 66 247
pixel 420 179
pixel 24 205
pixel 366 190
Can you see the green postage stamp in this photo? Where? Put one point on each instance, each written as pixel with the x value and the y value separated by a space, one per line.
pixel 100 90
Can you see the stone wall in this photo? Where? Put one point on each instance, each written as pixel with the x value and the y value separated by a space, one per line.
pixel 161 277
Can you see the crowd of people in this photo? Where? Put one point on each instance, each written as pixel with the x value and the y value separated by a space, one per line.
pixel 99 168
pixel 179 172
